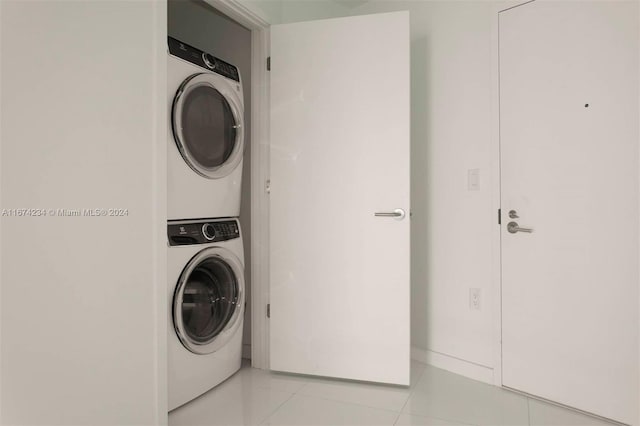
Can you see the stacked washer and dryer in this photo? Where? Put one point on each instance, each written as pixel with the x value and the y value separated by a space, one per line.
pixel 205 251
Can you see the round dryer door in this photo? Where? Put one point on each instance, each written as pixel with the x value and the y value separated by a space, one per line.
pixel 207 125
pixel 209 300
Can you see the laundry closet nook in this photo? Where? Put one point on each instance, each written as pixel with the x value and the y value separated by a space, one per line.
pixel 201 25
pixel 208 199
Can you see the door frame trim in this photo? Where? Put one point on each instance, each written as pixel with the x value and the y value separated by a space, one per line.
pixel 496 243
pixel 259 166
pixel 496 248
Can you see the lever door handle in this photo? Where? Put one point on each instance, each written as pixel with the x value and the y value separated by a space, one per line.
pixel 513 227
pixel 398 214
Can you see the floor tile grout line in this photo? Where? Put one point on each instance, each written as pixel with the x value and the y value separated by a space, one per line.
pixel 462 422
pixel 333 400
pixel 430 417
pixel 276 409
pixel 301 387
pixel 270 388
pixel 411 391
pixel 297 392
pixel 348 403
pixel 408 397
pixel 397 418
pixel 405 402
pixel 452 421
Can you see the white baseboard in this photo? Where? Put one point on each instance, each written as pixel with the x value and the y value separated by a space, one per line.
pixel 246 350
pixel 455 365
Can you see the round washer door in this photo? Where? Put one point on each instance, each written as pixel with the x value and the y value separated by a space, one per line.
pixel 209 300
pixel 207 125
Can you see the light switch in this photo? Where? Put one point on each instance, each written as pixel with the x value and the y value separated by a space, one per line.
pixel 473 179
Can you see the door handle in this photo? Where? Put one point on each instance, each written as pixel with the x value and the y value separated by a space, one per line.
pixel 513 227
pixel 397 214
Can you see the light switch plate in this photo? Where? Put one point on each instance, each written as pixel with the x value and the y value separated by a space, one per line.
pixel 474 299
pixel 473 179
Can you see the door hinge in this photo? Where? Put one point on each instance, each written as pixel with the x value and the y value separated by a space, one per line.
pixel 268 310
pixel 267 186
pixel 499 216
pixel 269 63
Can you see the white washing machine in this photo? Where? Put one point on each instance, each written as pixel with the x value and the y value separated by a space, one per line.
pixel 206 135
pixel 206 297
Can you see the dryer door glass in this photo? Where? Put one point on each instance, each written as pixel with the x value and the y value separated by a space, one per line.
pixel 208 126
pixel 206 120
pixel 209 300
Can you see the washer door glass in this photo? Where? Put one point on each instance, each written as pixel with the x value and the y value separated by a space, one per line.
pixel 207 127
pixel 207 303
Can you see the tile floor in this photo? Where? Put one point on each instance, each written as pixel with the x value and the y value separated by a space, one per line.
pixel 436 397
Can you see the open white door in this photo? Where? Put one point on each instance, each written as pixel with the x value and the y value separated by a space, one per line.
pixel 339 154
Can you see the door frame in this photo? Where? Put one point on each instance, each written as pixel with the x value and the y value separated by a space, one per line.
pixel 259 166
pixel 496 177
pixel 496 248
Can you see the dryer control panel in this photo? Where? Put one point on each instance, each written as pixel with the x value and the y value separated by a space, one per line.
pixel 203 59
pixel 182 232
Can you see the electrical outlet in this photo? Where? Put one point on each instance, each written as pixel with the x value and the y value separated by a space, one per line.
pixel 474 299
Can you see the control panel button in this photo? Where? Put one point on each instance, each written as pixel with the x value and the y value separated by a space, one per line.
pixel 209 231
pixel 209 60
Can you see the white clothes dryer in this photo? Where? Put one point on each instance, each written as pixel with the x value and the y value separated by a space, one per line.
pixel 206 135
pixel 206 306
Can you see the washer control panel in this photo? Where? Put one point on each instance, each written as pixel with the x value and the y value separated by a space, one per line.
pixel 182 232
pixel 202 59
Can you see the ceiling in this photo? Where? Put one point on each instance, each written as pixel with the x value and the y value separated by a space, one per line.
pixel 351 3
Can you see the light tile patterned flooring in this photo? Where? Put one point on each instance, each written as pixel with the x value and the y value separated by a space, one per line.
pixel 436 397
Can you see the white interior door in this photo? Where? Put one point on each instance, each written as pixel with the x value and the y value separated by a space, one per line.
pixel 569 146
pixel 340 153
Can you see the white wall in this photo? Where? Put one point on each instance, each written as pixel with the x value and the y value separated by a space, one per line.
pixel 202 26
pixel 453 229
pixel 307 10
pixel 82 126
